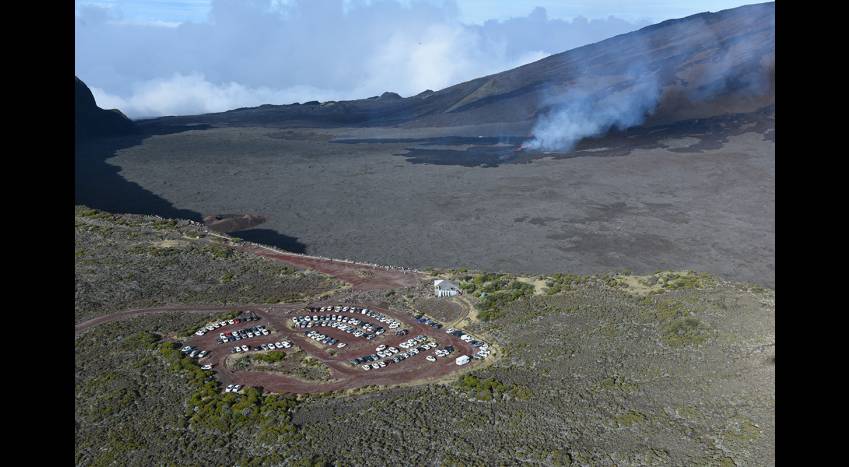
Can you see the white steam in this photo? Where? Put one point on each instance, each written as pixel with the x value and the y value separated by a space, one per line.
pixel 584 111
pixel 592 105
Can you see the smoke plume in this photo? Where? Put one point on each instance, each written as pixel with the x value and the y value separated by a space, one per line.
pixel 690 59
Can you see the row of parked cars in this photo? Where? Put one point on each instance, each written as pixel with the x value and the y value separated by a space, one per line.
pixel 349 325
pixel 326 340
pixel 269 346
pixel 389 321
pixel 218 324
pixel 233 388
pixel 425 320
pixel 391 355
pixel 412 342
pixel 483 348
pixel 194 352
pixel 246 333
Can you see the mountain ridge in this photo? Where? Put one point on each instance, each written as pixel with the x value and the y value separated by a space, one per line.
pixel 706 64
pixel 92 122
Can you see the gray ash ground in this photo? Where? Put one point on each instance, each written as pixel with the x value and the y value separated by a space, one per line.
pixel 695 196
pixel 488 151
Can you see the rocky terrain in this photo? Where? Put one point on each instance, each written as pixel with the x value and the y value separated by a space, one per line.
pixel 626 283
pixel 607 369
pixel 126 262
pixel 437 180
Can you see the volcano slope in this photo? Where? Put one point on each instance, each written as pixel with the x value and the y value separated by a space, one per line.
pixel 434 180
pixel 664 369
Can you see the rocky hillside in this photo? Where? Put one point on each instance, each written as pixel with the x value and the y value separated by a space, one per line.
pixel 91 121
pixel 702 65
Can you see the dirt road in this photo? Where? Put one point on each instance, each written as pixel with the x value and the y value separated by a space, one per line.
pixel 127 314
pixel 360 276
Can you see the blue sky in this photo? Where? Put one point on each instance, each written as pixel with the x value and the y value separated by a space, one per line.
pixel 158 57
pixel 471 11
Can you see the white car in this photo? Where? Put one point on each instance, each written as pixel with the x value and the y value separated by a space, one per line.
pixel 430 358
pixel 341 344
pixel 380 347
pixel 286 345
pixel 206 367
pixel 231 321
pixel 236 388
pixel 244 348
pixel 366 367
pixel 199 333
pixel 202 354
pixel 229 388
pixel 279 345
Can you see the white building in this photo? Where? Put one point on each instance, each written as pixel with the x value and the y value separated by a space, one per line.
pixel 444 288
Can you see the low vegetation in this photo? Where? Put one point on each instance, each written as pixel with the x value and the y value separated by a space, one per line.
pixel 494 292
pixel 271 357
pixel 492 389
pixel 129 261
pixel 585 366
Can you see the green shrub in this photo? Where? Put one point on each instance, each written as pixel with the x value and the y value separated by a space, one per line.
pixel 271 357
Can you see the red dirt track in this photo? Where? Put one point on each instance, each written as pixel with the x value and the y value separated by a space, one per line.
pixel 360 276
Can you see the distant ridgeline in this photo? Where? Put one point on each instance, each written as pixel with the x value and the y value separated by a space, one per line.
pixel 90 121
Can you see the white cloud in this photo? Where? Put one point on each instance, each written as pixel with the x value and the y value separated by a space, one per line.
pixel 252 52
pixel 194 94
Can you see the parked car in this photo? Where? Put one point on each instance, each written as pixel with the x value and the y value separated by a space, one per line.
pixel 206 367
pixel 430 358
pixel 244 348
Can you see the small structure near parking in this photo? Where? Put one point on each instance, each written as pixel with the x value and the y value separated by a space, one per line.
pixel 445 288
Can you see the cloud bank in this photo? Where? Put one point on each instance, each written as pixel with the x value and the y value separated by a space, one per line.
pixel 253 52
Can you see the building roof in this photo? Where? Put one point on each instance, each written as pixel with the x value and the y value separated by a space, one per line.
pixel 444 284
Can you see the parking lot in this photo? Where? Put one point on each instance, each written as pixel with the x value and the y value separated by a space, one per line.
pixel 361 344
